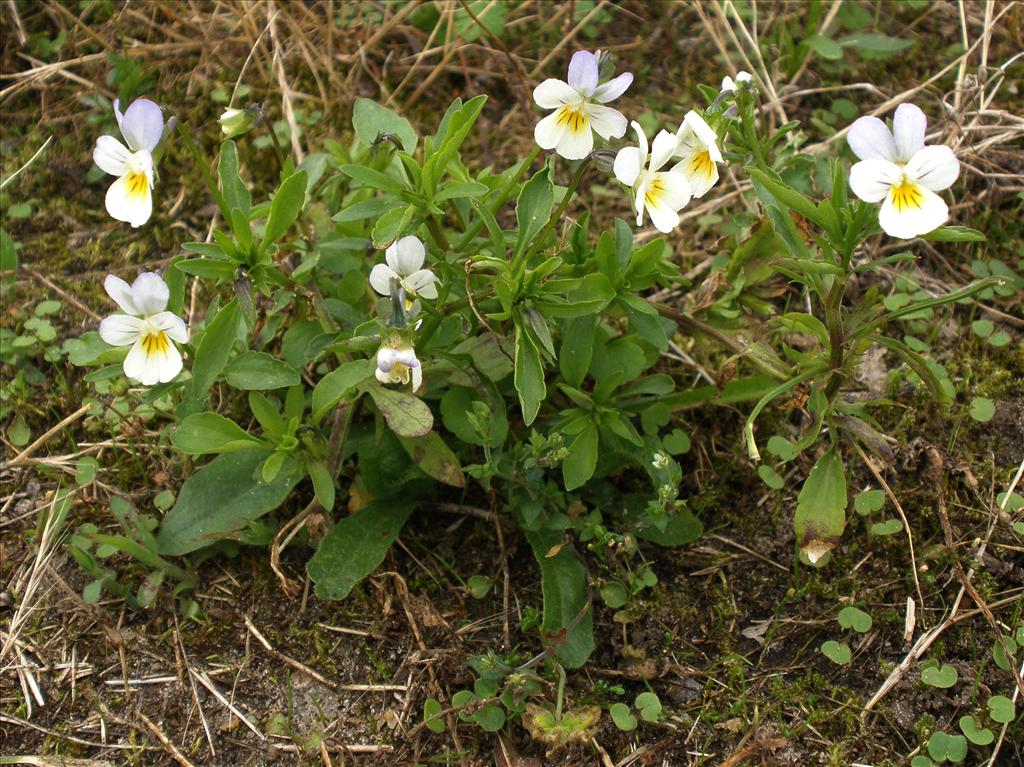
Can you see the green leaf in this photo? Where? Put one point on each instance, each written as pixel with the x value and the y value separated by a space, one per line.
pixel 579 464
pixel 920 760
pixel 391 224
pixel 614 595
pixel 791 198
pixel 770 477
pixel 459 123
pixel 942 747
pixel 406 414
pixel 888 527
pixel 372 208
pixel 978 735
pixel 855 618
pixel 622 717
pixel 533 208
pixel 221 499
pixel 870 41
pixel 529 375
pixel 236 195
pixel 479 586
pixel 207 268
pixel 267 414
pixel 332 387
pixel 836 652
pixel 432 719
pixel 490 717
pixel 356 546
pixel 435 458
pixel 682 528
pixel 323 484
pixel 824 47
pixel 1001 709
pixel 260 371
pixel 821 507
pixel 215 348
pixel 18 432
pixel 649 706
pixel 943 677
pixel 202 433
pixel 370 120
pixel 868 501
pixel 285 207
pixel 982 409
pixel 564 585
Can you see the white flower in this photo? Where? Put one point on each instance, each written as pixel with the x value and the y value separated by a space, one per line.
pixel 661 461
pixel 900 170
pixel 130 197
pixel 742 78
pixel 396 363
pixel 404 261
pixel 662 193
pixel 697 148
pixel 145 327
pixel 579 109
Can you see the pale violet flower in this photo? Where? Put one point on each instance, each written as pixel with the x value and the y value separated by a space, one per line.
pixel 579 108
pixel 697 148
pixel 145 327
pixel 661 193
pixel 742 78
pixel 397 363
pixel 898 170
pixel 130 198
pixel 405 259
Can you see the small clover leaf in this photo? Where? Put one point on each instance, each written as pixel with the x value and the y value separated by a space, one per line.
pixel 982 409
pixel 942 677
pixel 649 706
pixel 943 747
pixel 978 735
pixel 1001 709
pixel 855 618
pixel 432 715
pixel 868 501
pixel 836 652
pixel 622 717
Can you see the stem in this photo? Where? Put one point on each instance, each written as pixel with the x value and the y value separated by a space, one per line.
pixel 561 693
pixel 503 196
pixel 437 234
pixel 834 324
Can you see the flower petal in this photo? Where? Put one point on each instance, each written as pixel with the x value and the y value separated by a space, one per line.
pixel 871 140
pixel 583 72
pixel 111 155
pixel 676 189
pixel 614 88
pixel 142 125
pixel 553 93
pixel 417 377
pixel 409 255
pixel 549 131
pixel 121 292
pixel 606 122
pixel 422 283
pixel 173 325
pixel 663 217
pixel 380 278
pixel 705 133
pixel 934 167
pixel 386 359
pixel 159 364
pixel 700 171
pixel 908 126
pixel 578 139
pixel 638 201
pixel 150 293
pixel 662 149
pixel 728 85
pixel 130 199
pixel 627 165
pixel 910 213
pixel 641 139
pixel 871 180
pixel 121 330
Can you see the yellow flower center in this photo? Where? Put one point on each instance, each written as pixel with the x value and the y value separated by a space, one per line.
pixel 138 184
pixel 907 195
pixel 155 342
pixel 701 164
pixel 653 193
pixel 573 117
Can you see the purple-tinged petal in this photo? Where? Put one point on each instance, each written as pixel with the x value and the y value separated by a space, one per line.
pixel 583 72
pixel 614 88
pixel 142 125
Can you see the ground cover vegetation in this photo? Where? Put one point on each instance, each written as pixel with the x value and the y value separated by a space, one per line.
pixel 517 383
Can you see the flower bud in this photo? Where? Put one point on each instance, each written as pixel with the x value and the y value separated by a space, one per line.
pixel 237 122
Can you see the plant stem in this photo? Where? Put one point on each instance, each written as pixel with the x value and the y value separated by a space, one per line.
pixel 204 168
pixel 503 196
pixel 437 234
pixel 561 693
pixel 559 211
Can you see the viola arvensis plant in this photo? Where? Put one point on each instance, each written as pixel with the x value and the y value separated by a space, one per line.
pixel 397 363
pixel 579 108
pixel 697 148
pixel 145 327
pixel 661 193
pixel 130 198
pixel 897 169
pixel 405 259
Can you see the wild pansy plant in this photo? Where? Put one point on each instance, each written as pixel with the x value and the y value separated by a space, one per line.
pixel 399 328
pixel 130 198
